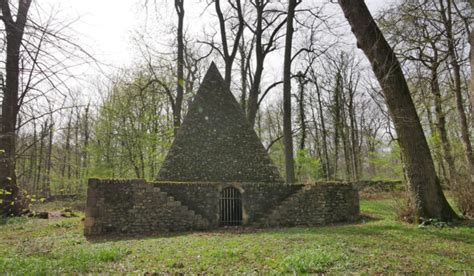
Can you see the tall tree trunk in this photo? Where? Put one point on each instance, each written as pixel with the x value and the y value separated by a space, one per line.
pixel 337 121
pixel 255 88
pixel 437 151
pixel 354 138
pixel 262 48
pixel 326 163
pixel 371 150
pixel 465 139
pixel 46 191
pixel 11 198
pixel 441 124
pixel 39 170
pixel 471 58
pixel 229 56
pixel 426 193
pixel 287 133
pixel 33 160
pixel 345 132
pixel 317 139
pixel 77 153
pixel 67 156
pixel 85 150
pixel 179 6
pixel 254 91
pixel 302 119
pixel 243 76
pixel 301 110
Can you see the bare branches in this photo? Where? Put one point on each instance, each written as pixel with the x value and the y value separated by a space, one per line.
pixel 229 54
pixel 6 12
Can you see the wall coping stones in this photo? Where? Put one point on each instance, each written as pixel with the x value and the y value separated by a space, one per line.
pixel 348 183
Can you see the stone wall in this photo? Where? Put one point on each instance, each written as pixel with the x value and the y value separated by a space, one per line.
pixel 203 197
pixel 138 207
pixel 341 202
pixel 135 207
pixel 315 204
pixel 259 198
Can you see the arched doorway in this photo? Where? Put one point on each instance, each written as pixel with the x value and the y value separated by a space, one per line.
pixel 231 207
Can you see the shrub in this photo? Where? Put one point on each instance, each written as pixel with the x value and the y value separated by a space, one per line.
pixel 463 193
pixel 403 207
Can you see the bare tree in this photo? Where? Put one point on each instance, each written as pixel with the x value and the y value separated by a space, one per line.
pixel 245 53
pixel 267 23
pixel 426 193
pixel 424 36
pixel 11 198
pixel 446 16
pixel 179 6
pixel 471 55
pixel 35 66
pixel 302 81
pixel 322 123
pixel 229 54
pixel 287 133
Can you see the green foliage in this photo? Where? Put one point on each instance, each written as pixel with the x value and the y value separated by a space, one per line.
pixel 133 130
pixel 308 167
pixel 386 162
pixel 277 155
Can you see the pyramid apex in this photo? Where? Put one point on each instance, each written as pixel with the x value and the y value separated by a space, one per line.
pixel 215 142
pixel 213 73
pixel 213 66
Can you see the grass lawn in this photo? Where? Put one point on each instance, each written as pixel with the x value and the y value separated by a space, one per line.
pixel 35 246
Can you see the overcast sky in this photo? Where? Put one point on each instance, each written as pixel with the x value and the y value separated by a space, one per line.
pixel 106 26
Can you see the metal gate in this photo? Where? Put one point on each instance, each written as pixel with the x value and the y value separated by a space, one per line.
pixel 231 206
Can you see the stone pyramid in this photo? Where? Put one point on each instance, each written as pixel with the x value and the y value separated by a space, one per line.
pixel 215 142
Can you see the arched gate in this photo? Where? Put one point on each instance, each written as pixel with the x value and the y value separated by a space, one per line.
pixel 231 207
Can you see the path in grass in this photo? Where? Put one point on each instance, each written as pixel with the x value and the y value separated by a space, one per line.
pixel 381 245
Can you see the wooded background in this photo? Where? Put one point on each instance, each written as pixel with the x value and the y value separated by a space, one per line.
pixel 339 123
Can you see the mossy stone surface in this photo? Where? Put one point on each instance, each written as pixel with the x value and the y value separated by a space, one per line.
pixel 216 142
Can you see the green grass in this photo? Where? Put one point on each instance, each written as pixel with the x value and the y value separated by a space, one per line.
pixel 35 246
